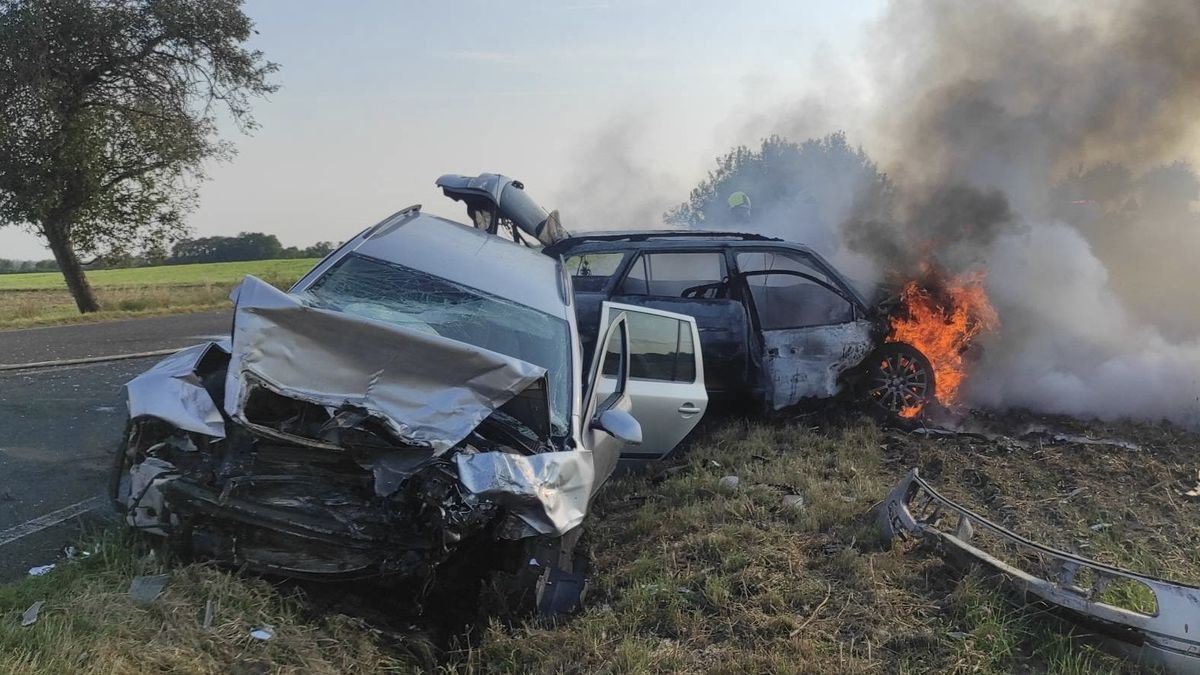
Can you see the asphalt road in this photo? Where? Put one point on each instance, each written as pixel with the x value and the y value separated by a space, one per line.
pixel 59 426
pixel 113 337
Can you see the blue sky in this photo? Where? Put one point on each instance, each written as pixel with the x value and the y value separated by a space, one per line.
pixel 380 97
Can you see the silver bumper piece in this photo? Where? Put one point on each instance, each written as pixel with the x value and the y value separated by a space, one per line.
pixel 1169 638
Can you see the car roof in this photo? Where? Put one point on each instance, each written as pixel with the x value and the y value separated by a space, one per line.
pixel 629 239
pixel 637 240
pixel 471 257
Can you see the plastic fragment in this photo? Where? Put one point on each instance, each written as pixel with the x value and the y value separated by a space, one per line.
pixel 146 590
pixel 30 616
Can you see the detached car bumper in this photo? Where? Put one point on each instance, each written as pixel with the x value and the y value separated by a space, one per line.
pixel 1168 638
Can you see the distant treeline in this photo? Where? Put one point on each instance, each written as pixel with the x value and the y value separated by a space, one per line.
pixel 244 246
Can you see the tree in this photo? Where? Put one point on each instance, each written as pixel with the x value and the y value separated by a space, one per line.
pixel 108 109
pixel 816 183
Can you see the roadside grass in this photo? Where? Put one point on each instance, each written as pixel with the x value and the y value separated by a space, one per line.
pixel 687 577
pixel 42 299
pixel 693 579
pixel 90 624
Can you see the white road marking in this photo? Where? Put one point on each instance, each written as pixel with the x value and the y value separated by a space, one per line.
pixel 50 520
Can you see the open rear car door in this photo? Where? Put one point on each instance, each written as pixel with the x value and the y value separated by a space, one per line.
pixel 665 375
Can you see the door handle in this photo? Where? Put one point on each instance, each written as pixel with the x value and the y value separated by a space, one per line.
pixel 688 409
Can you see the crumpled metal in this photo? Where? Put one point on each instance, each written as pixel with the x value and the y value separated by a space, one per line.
pixel 1162 639
pixel 548 491
pixel 429 390
pixel 172 392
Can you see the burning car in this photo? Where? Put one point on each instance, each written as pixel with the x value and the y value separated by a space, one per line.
pixel 778 324
pixel 418 397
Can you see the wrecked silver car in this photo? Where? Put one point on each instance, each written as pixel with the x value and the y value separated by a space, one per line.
pixel 418 395
pixel 1153 630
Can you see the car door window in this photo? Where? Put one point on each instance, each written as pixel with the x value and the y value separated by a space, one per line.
pixel 660 349
pixel 665 387
pixel 590 272
pixel 789 292
pixel 676 275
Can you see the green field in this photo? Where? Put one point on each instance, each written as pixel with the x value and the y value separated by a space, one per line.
pixel 41 298
pixel 166 275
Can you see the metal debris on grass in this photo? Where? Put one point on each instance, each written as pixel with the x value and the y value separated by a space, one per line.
pixel 1074 586
pixel 30 616
pixel 146 589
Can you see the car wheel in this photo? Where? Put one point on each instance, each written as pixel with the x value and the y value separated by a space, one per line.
pixel 899 382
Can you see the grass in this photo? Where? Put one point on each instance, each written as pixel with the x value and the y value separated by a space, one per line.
pixel 691 579
pixel 90 624
pixel 686 577
pixel 164 275
pixel 41 299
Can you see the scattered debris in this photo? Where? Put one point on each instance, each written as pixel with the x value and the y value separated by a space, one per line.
pixel 728 484
pixel 146 589
pixel 210 608
pixel 71 552
pixel 1099 526
pixel 1193 493
pixel 41 570
pixel 264 632
pixel 30 616
pixel 1072 584
pixel 1084 440
pixel 793 502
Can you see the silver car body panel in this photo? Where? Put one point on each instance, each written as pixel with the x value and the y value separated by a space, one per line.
pixel 549 492
pixel 1163 639
pixel 171 391
pixel 429 390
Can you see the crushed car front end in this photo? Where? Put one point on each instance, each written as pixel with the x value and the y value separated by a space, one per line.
pixel 377 420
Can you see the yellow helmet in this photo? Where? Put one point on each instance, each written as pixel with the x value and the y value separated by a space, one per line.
pixel 739 200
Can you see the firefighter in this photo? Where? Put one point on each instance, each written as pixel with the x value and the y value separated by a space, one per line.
pixel 739 207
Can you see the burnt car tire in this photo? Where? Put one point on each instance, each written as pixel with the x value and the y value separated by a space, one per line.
pixel 898 383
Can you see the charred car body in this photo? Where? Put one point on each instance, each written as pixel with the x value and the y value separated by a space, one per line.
pixel 778 323
pixel 419 395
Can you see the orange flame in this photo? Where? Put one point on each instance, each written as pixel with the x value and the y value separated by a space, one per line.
pixel 943 327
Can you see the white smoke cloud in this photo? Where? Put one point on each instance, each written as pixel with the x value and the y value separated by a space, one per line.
pixel 1069 345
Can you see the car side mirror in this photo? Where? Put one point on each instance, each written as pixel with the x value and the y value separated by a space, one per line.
pixel 620 425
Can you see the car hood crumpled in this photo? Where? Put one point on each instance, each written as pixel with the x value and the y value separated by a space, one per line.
pixel 172 392
pixel 429 390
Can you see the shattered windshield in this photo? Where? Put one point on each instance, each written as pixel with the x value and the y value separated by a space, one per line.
pixel 399 295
